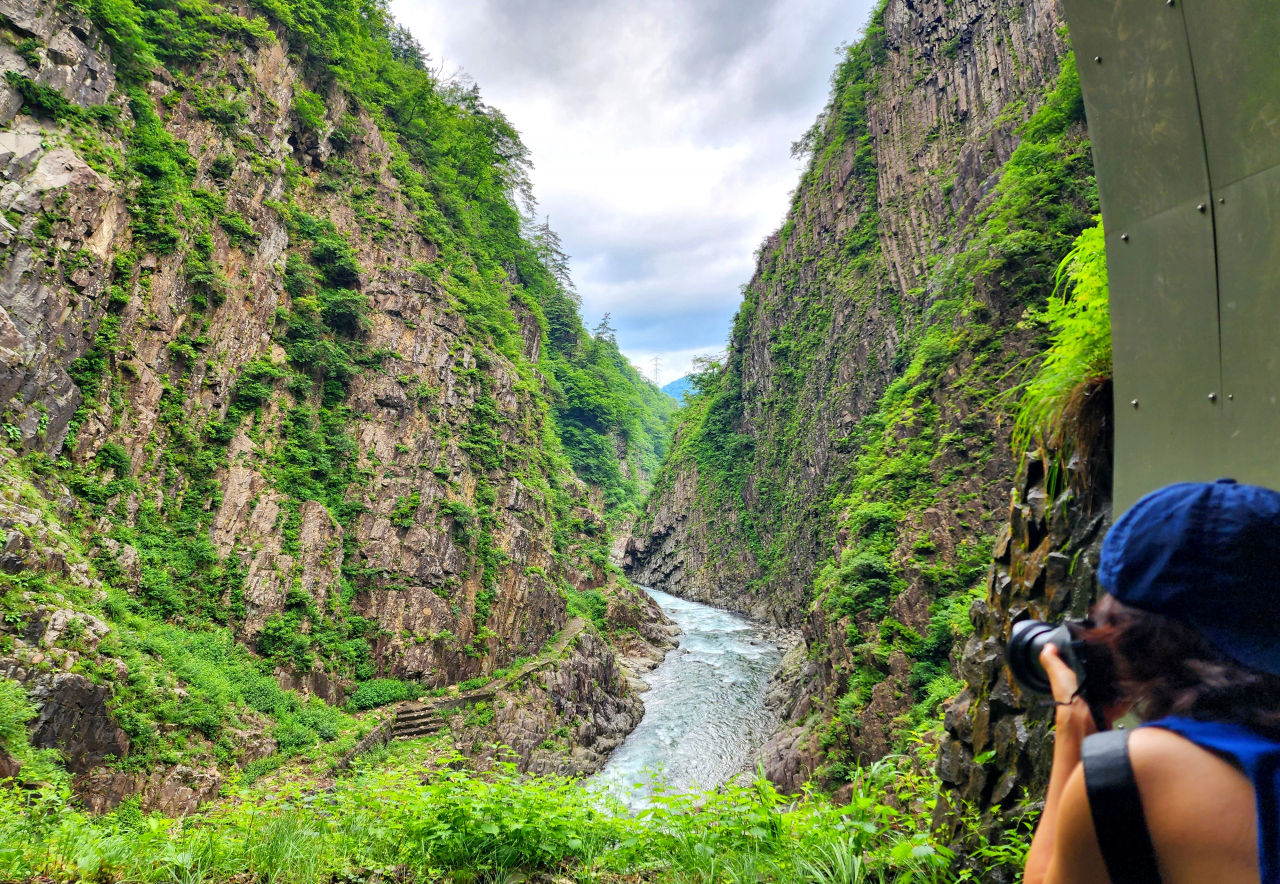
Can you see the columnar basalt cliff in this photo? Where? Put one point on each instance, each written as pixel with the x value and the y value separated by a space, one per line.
pixel 280 360
pixel 998 745
pixel 846 468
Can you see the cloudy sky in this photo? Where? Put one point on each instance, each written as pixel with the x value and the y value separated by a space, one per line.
pixel 661 135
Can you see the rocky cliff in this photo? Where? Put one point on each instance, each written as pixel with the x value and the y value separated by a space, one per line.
pixel 848 466
pixel 998 745
pixel 281 361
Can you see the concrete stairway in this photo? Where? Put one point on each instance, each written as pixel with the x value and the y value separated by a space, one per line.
pixel 416 720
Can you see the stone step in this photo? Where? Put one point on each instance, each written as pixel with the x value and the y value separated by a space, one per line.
pixel 418 728
pixel 416 719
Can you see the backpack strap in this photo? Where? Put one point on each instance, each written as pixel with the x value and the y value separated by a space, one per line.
pixel 1116 807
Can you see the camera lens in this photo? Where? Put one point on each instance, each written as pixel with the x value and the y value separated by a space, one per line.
pixel 1023 654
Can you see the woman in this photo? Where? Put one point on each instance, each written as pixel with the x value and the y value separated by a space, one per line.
pixel 1192 621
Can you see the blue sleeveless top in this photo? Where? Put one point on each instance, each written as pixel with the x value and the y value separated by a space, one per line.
pixel 1259 759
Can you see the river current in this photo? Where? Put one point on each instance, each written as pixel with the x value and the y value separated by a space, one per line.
pixel 704 710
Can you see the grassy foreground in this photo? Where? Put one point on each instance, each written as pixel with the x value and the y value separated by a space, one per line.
pixel 392 823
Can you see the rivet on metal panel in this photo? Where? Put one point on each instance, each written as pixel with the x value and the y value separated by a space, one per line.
pixel 1222 200
pixel 1168 2
pixel 1098 59
pixel 1135 403
pixel 1213 397
pixel 1124 237
pixel 1231 396
pixel 1200 208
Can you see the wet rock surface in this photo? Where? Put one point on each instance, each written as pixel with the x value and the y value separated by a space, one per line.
pixel 998 747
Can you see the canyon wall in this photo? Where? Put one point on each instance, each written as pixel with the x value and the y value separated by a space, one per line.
pixel 280 359
pixel 847 467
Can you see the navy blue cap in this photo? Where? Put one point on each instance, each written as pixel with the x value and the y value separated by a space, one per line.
pixel 1206 554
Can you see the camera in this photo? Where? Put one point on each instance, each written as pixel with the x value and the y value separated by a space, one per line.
pixel 1029 638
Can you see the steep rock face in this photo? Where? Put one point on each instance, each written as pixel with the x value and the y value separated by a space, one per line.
pixel 237 326
pixel 999 743
pixel 954 82
pixel 847 466
pixel 681 549
pixel 54 296
pixel 73 717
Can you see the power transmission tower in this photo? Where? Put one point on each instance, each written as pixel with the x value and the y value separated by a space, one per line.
pixel 657 368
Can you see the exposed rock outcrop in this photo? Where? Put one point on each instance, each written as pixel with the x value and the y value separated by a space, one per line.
pixel 388 489
pixel 9 766
pixel 566 715
pixel 73 717
pixel 1046 561
pixel 173 791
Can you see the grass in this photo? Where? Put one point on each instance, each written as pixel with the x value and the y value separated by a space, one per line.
pixel 391 823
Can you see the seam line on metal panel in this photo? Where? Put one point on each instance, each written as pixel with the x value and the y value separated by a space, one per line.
pixel 1208 171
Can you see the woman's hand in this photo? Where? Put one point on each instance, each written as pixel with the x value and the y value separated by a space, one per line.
pixel 1074 718
pixel 1062 678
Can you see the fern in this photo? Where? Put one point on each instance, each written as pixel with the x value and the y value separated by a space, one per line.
pixel 1079 356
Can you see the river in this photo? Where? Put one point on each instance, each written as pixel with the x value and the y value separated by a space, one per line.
pixel 704 710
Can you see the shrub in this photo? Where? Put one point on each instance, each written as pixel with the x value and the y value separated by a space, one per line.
pixel 44 98
pixel 336 260
pixel 382 692
pixel 310 109
pixel 590 605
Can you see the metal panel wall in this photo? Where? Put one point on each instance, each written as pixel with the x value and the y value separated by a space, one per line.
pixel 1183 101
pixel 1235 45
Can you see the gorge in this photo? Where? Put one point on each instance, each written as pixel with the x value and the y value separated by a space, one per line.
pixel 301 421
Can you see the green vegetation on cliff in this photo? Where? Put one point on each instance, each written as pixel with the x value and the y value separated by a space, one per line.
pixel 390 178
pixel 906 491
pixel 901 465
pixel 1078 358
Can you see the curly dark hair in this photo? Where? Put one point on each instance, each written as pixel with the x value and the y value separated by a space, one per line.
pixel 1167 668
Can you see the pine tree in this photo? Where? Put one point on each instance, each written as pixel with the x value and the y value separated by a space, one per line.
pixel 550 251
pixel 405 47
pixel 605 332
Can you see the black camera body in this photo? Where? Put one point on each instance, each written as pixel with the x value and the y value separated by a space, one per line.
pixel 1028 639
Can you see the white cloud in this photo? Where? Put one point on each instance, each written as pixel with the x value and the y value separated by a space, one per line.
pixel 660 134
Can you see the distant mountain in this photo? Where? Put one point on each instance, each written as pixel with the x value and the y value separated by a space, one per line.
pixel 676 389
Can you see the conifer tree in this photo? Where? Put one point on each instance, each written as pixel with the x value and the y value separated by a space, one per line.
pixel 605 332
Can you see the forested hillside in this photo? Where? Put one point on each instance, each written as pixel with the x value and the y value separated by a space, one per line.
pixel 298 409
pixel 848 466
